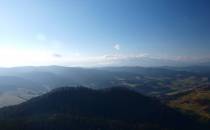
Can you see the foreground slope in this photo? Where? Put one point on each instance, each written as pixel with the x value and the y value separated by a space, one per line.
pixel 195 102
pixel 82 108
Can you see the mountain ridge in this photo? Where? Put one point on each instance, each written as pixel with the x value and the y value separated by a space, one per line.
pixel 113 104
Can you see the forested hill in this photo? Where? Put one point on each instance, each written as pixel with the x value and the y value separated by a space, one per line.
pixel 81 108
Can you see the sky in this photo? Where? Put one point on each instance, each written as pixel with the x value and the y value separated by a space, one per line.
pixel 103 32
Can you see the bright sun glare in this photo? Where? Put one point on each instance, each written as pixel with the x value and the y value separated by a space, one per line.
pixel 16 57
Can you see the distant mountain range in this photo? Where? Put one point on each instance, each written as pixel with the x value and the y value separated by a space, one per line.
pixel 81 108
pixel 22 83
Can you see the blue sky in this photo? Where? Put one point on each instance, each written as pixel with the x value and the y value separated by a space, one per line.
pixel 91 32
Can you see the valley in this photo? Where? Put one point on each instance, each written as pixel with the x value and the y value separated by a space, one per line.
pixel 32 93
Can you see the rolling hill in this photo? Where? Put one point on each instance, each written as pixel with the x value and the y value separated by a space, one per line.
pixel 22 83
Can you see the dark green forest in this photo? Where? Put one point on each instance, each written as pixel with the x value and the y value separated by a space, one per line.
pixel 82 108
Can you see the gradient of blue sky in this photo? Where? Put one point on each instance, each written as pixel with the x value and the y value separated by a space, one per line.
pixel 163 28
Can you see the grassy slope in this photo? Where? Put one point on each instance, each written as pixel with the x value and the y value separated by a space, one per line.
pixel 196 101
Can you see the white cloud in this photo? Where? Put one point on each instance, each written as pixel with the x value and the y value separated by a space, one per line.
pixel 101 60
pixel 117 47
pixel 56 55
pixel 125 57
pixel 18 57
